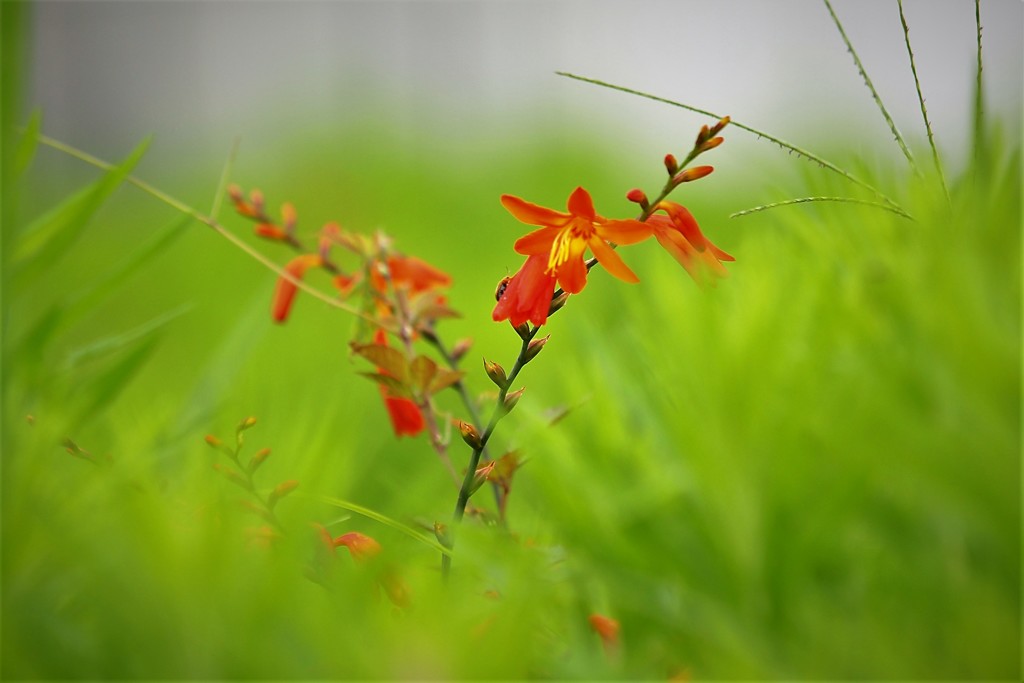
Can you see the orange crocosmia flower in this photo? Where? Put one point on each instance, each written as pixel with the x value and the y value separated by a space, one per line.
pixel 360 546
pixel 564 237
pixel 285 292
pixel 608 629
pixel 680 235
pixel 526 296
pixel 406 418
pixel 411 272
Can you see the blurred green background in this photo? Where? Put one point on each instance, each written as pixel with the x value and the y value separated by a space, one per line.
pixel 809 471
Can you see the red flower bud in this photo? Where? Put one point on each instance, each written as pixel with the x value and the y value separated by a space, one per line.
pixel 671 165
pixel 690 174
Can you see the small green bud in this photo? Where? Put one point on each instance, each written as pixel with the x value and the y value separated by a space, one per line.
pixel 496 373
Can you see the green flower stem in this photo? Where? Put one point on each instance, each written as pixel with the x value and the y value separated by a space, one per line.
pixel 474 459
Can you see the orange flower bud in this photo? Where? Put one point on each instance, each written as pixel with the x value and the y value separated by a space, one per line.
pixel 269 231
pixel 480 477
pixel 637 196
pixel 671 165
pixel 461 348
pixel 512 399
pixel 470 435
pixel 534 347
pixel 289 217
pixel 712 143
pixel 256 199
pixel 256 460
pixel 280 491
pixel 212 441
pixel 695 173
pixel 496 373
pixel 557 303
pixel 722 123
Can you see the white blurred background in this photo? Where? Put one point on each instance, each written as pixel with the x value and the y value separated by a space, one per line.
pixel 198 73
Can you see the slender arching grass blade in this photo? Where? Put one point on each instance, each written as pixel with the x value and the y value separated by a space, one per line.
pixel 383 519
pixel 805 154
pixel 807 200
pixel 871 87
pixel 55 232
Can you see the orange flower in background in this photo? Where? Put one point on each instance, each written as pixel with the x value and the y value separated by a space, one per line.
pixel 565 237
pixel 285 292
pixel 526 296
pixel 406 418
pixel 360 546
pixel 608 629
pixel 680 236
pixel 408 271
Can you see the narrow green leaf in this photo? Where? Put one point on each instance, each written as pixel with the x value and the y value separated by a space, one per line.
pixel 56 231
pixel 27 144
pixel 115 342
pixel 383 519
pixel 100 392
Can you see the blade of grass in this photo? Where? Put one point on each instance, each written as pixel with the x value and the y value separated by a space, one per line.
pixel 52 234
pixel 28 143
pixel 806 200
pixel 803 153
pixel 115 342
pixel 213 224
pixel 920 100
pixel 871 87
pixel 383 519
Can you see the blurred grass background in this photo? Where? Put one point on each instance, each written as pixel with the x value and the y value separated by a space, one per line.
pixel 809 471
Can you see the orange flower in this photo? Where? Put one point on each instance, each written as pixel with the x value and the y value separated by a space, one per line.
pixel 527 294
pixel 408 271
pixel 608 629
pixel 360 546
pixel 680 235
pixel 406 418
pixel 564 237
pixel 285 292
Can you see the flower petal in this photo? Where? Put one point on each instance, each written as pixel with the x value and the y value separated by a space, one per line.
pixel 416 272
pixel 685 223
pixel 611 261
pixel 572 275
pixel 537 242
pixel 533 214
pixel 627 231
pixel 527 296
pixel 580 204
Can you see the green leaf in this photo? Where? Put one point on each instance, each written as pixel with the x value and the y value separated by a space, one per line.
pixel 397 388
pixel 27 144
pixel 422 371
pixel 444 379
pixel 56 231
pixel 99 393
pixel 115 342
pixel 386 358
pixel 383 519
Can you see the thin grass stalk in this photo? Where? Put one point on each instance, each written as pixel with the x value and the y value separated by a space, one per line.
pixel 789 147
pixel 871 87
pixel 208 221
pixel 920 100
